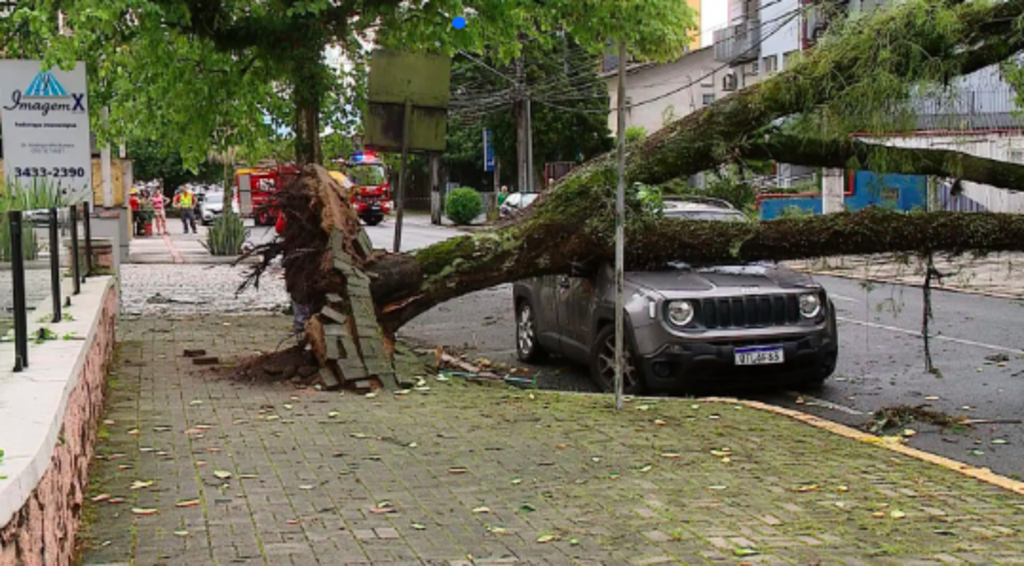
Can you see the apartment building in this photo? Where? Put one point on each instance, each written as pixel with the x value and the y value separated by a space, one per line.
pixel 657 94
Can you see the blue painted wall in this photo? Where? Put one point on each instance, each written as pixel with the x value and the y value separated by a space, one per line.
pixel 901 192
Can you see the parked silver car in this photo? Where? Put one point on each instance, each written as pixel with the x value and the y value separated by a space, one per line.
pixel 516 203
pixel 212 206
pixel 686 325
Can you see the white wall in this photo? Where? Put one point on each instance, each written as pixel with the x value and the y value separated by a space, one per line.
pixel 1000 146
pixel 650 82
pixel 787 32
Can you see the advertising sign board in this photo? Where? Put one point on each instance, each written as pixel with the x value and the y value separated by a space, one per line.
pixel 46 128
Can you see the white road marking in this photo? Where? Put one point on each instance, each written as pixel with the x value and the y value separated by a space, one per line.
pixel 814 401
pixel 942 337
pixel 842 298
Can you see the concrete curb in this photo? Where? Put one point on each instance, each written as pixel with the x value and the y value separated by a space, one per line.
pixel 982 474
pixel 883 280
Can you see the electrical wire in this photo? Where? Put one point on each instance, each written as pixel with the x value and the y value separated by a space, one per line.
pixel 577 81
pixel 792 15
pixel 601 81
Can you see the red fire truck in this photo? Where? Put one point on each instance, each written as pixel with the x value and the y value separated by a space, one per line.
pixel 253 188
pixel 371 189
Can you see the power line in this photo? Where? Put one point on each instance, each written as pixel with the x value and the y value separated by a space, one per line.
pixel 600 82
pixel 792 15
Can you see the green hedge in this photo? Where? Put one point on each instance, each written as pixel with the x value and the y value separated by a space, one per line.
pixel 464 205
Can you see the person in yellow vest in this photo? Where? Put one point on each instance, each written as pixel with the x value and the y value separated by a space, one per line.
pixel 185 202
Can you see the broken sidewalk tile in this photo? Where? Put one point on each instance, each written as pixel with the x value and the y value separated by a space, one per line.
pixel 334 315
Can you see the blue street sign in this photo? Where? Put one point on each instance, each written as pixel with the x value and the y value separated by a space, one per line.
pixel 488 151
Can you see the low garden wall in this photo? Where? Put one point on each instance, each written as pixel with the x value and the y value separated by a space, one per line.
pixel 49 415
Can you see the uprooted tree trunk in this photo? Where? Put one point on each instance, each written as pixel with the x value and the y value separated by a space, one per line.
pixel 363 296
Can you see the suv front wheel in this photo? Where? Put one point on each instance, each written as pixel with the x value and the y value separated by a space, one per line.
pixel 602 364
pixel 527 348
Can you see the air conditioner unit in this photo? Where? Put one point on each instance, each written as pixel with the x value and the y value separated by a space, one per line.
pixel 730 82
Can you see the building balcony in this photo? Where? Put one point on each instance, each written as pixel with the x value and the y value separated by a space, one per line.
pixel 738 44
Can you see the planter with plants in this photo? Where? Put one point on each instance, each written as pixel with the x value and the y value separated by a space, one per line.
pixel 226 236
pixel 37 196
pixel 146 215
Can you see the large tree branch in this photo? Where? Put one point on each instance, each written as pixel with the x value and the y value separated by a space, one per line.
pixel 696 143
pixel 573 223
pixel 887 159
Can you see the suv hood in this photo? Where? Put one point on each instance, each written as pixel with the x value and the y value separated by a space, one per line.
pixel 720 279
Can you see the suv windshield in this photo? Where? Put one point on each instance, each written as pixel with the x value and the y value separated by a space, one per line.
pixel 367 175
pixel 215 198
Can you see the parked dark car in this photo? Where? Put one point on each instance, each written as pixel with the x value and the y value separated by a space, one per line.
pixel 516 203
pixel 686 325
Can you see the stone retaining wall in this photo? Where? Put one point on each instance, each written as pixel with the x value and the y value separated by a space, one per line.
pixel 43 531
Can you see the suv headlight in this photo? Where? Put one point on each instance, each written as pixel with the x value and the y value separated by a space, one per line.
pixel 680 313
pixel 810 305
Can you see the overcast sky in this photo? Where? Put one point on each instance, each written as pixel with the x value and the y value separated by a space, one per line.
pixel 713 15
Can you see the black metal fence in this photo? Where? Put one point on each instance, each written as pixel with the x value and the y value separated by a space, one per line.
pixel 47 252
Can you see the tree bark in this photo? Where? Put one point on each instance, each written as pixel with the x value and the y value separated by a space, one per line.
pixel 308 85
pixel 866 155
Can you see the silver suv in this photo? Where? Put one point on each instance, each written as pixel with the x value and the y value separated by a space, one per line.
pixel 686 325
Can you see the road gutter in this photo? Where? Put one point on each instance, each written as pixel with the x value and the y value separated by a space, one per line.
pixel 982 474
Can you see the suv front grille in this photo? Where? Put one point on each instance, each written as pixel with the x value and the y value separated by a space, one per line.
pixel 749 312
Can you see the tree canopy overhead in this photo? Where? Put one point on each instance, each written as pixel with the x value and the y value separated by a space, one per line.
pixel 213 74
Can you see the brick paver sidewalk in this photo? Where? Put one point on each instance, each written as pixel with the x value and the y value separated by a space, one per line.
pixel 463 474
pixel 997 274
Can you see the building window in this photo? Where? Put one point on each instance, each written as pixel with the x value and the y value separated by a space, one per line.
pixel 708 98
pixel 771 64
pixel 755 68
pixel 730 82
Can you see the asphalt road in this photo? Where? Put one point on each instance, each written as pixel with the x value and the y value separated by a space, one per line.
pixel 978 349
pixel 417 232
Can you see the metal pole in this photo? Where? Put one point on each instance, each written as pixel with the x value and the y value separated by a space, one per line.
pixel 18 280
pixel 55 265
pixel 520 115
pixel 88 235
pixel 403 176
pixel 436 204
pixel 620 225
pixel 531 181
pixel 75 271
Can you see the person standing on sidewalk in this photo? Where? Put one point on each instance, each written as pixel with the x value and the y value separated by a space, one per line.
pixel 185 201
pixel 135 204
pixel 159 202
pixel 301 313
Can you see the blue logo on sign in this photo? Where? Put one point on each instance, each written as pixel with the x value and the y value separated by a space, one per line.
pixel 45 85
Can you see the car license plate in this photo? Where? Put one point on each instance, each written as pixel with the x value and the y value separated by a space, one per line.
pixel 759 355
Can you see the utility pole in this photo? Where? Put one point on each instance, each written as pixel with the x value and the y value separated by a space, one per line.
pixel 530 173
pixel 403 178
pixel 620 224
pixel 520 111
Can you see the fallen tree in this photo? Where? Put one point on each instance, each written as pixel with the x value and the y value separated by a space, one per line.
pixel 329 262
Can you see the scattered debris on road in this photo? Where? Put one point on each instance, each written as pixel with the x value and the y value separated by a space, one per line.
pixel 900 416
